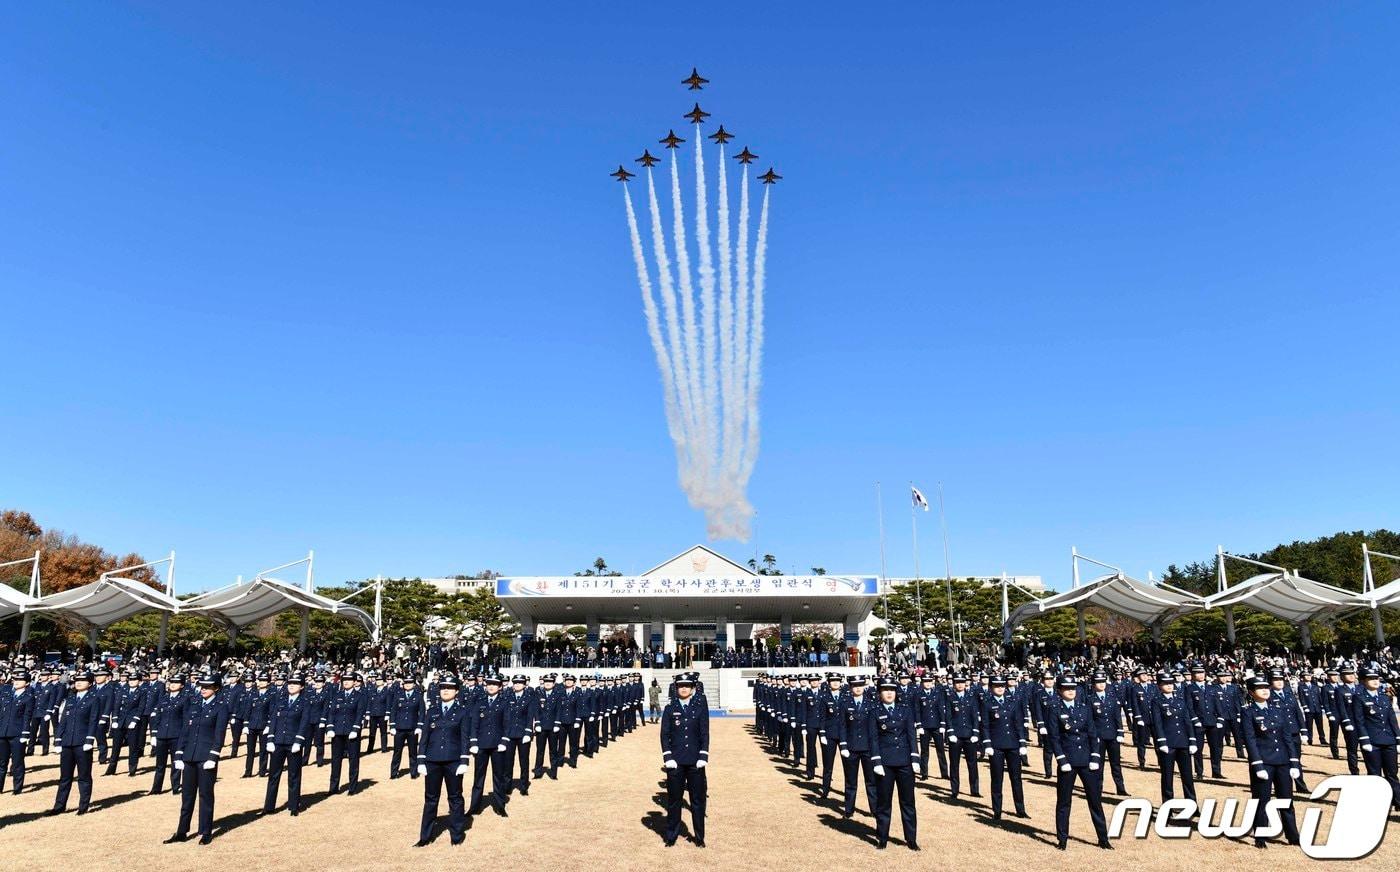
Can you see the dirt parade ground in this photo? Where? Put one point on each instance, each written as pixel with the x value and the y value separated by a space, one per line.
pixel 607 814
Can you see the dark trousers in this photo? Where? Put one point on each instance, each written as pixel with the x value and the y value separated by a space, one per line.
pixel 932 736
pixel 688 780
pixel 1112 753
pixel 1093 795
pixel 519 753
pixel 1279 784
pixel 1047 755
pixel 318 741
pixel 12 760
pixel 256 749
pixel 73 760
pixel 799 742
pixel 102 727
pixel 828 764
pixel 854 767
pixel 1379 761
pixel 404 737
pixel 811 752
pixel 1215 738
pixel 130 740
pixel 1333 728
pixel 903 778
pixel 165 753
pixel 1176 758
pixel 1315 723
pixel 499 763
pixel 235 729
pixel 543 742
pixel 198 782
pixel 1353 752
pixel 438 774
pixel 1008 761
pixel 590 738
pixel 283 758
pixel 556 749
pixel 573 743
pixel 958 751
pixel 341 748
pixel 1142 740
pixel 39 729
pixel 377 726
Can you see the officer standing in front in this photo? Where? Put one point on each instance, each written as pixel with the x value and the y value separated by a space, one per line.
pixel 442 758
pixel 1176 728
pixel 489 745
pixel 685 752
pixel 522 717
pixel 405 710
pixel 1004 743
pixel 854 738
pixel 18 711
pixel 201 742
pixel 1273 757
pixel 895 753
pixel 288 725
pixel 1073 729
pixel 1110 729
pixel 78 725
pixel 345 714
pixel 1378 732
pixel 167 722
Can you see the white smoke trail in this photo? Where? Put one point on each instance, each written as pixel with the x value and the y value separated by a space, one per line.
pixel 741 330
pixel 668 306
pixel 663 357
pixel 728 390
pixel 709 378
pixel 700 450
pixel 756 344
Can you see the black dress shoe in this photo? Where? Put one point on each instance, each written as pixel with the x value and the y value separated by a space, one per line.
pixel 83 811
pixel 880 845
pixel 1021 813
pixel 500 810
pixel 178 837
pixel 460 841
pixel 1260 843
pixel 204 840
pixel 913 846
pixel 996 815
pixel 421 843
pixel 1106 844
pixel 1060 845
pixel 670 843
pixel 699 843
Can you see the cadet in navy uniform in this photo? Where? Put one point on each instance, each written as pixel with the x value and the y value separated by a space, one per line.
pixel 405 713
pixel 1110 728
pixel 828 717
pixel 378 712
pixel 167 720
pixel 928 714
pixel 18 711
pixel 76 735
pixel 345 713
pixel 571 714
pixel 1273 756
pixel 1040 698
pixel 895 753
pixel 854 738
pixel 1175 728
pixel 104 690
pixel 549 732
pixel 1074 728
pixel 1139 702
pixel 1374 717
pixel 201 742
pixel 685 752
pixel 127 702
pixel 487 732
pixel 961 724
pixel 442 758
pixel 288 725
pixel 522 717
pixel 256 705
pixel 1004 743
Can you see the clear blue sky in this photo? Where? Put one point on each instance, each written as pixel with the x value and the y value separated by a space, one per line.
pixel 353 277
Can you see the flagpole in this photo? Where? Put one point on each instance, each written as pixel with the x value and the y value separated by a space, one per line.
pixel 884 581
pixel 947 563
pixel 918 583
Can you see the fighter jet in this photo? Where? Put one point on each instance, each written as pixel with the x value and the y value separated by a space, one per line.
pixel 721 136
pixel 647 159
pixel 671 140
pixel 746 156
pixel 694 80
pixel 696 115
pixel 770 177
pixel 621 175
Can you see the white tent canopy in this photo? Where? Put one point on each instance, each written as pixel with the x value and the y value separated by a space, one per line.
pixel 1148 604
pixel 1286 595
pixel 1385 595
pixel 106 601
pixel 14 602
pixel 239 605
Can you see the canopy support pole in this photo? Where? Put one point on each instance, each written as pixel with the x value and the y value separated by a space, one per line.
pixel 1079 622
pixel 1380 627
pixel 24 629
pixel 305 628
pixel 1230 624
pixel 164 632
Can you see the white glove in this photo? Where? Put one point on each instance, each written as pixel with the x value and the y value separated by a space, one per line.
pixel 150 743
pixel 1094 767
pixel 669 764
pixel 1139 722
pixel 460 770
pixel 1192 749
pixel 879 770
pixel 296 747
pixel 1162 748
pixel 87 747
pixel 1042 731
pixel 952 739
pixel 353 734
pixel 1262 775
pixel 916 766
pixel 1066 768
pixel 270 747
pixel 1025 752
pixel 555 730
pixel 1294 772
pixel 824 741
pixel 473 750
pixel 179 764
pixel 1349 728
pixel 1368 748
pixel 418 731
pixel 131 726
pixel 804 732
pixel 699 764
pixel 973 738
pixel 1220 725
pixel 330 734
pixel 845 752
pixel 422 770
pixel 208 764
pixel 246 731
pixel 46 719
pixel 525 739
pixel 501 747
pixel 1120 739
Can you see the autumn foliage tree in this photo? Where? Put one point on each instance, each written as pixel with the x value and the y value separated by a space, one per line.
pixel 65 561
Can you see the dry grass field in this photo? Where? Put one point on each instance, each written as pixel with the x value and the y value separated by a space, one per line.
pixel 606 815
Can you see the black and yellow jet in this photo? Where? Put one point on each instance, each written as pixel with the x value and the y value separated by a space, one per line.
pixel 671 140
pixel 694 80
pixel 648 159
pixel 769 177
pixel 621 175
pixel 721 136
pixel 696 115
pixel 746 156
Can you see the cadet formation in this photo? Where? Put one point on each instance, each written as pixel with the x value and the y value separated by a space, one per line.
pixel 1080 726
pixel 505 733
pixel 1073 728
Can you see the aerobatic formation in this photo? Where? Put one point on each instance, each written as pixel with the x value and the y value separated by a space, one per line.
pixel 708 345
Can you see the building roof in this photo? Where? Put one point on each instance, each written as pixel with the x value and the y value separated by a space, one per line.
pixel 252 601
